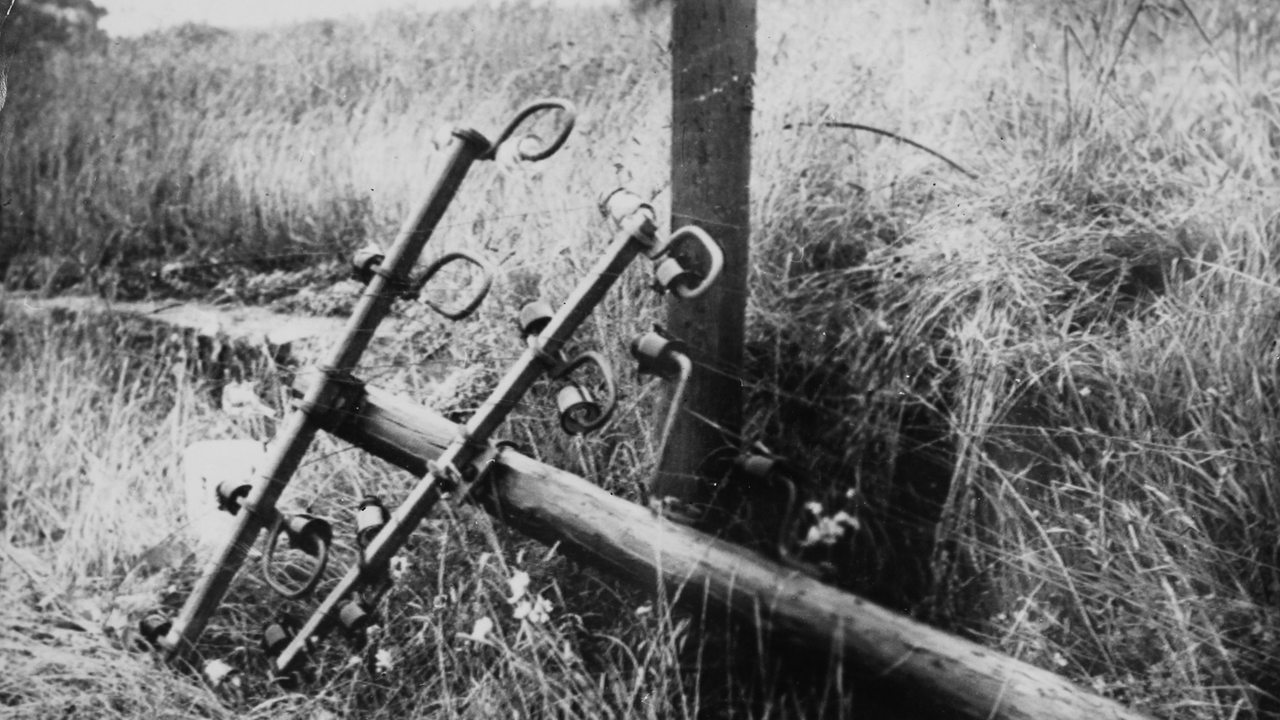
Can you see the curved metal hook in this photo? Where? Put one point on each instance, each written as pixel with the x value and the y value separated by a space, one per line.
pixel 310 530
pixel 569 113
pixel 572 417
pixel 486 268
pixel 715 256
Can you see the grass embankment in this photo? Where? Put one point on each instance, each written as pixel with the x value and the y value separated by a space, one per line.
pixel 1083 340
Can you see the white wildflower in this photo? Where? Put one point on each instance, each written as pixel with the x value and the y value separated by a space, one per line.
pixel 398 566
pixel 846 520
pixel 519 584
pixel 218 672
pixel 479 631
pixel 481 628
pixel 827 531
pixel 536 611
pixel 382 661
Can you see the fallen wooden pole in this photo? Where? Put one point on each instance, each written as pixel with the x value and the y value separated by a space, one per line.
pixel 554 506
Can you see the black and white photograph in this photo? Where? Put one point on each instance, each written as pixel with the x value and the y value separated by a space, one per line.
pixel 640 359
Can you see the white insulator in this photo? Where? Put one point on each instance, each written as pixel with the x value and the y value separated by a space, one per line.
pixel 205 464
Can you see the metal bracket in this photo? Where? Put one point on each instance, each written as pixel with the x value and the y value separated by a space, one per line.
pixel 764 468
pixel 580 413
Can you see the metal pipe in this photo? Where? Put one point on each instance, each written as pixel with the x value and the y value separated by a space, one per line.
pixel 287 450
pixel 637 236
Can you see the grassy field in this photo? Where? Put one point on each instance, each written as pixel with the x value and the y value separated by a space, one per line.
pixel 1041 390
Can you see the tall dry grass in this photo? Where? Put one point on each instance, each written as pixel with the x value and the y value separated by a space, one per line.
pixel 1045 395
pixel 204 146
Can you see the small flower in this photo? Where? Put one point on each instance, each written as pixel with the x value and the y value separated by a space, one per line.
pixel 218 672
pixel 846 520
pixel 398 566
pixel 519 584
pixel 382 661
pixel 537 611
pixel 827 531
pixel 479 631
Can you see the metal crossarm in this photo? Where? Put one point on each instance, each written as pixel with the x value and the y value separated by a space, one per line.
pixel 386 282
pixel 454 469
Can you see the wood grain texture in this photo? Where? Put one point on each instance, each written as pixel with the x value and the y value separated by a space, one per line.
pixel 713 59
pixel 692 567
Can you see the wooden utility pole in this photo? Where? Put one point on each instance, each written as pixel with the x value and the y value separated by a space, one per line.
pixel 936 674
pixel 712 66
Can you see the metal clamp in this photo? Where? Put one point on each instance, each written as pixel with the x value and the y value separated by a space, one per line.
pixel 308 533
pixel 567 112
pixel 580 412
pixel 486 269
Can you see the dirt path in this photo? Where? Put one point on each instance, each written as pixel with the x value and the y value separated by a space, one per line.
pixel 242 322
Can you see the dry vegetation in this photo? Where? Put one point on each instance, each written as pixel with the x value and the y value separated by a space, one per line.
pixel 1052 387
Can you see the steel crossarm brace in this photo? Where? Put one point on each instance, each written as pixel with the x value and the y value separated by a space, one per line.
pixel 290 445
pixel 637 237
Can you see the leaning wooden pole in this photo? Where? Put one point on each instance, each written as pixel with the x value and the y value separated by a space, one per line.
pixel 554 506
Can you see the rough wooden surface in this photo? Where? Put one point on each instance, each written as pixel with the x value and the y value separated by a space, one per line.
pixel 554 506
pixel 713 60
